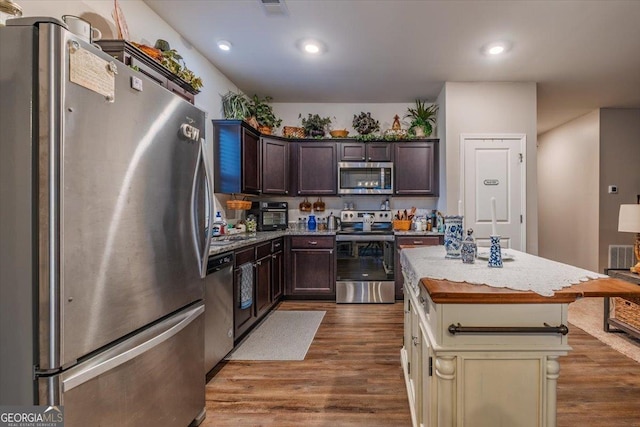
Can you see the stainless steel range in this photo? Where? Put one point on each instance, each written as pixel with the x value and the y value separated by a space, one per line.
pixel 365 245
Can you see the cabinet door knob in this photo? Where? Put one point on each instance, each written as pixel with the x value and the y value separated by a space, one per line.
pixel 421 299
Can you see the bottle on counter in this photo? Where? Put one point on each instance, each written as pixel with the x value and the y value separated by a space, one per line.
pixel 218 226
pixel 387 205
pixel 311 224
pixel 469 248
pixel 251 223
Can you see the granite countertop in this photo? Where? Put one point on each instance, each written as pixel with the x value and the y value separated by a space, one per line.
pixel 231 242
pixel 417 233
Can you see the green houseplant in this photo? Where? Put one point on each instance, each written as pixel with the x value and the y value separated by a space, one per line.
pixel 423 118
pixel 263 112
pixel 314 125
pixel 235 105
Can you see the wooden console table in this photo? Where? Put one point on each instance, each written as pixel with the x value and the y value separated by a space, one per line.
pixel 617 324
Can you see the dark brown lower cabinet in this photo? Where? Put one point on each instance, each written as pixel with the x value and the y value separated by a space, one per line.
pixel 413 241
pixel 277 270
pixel 243 318
pixel 312 267
pixel 263 266
pixel 263 278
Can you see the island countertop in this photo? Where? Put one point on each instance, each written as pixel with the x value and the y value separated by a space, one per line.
pixel 447 292
pixel 442 289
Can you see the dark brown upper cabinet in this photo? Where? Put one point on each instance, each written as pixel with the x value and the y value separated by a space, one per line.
pixel 365 152
pixel 237 157
pixel 275 166
pixel 416 168
pixel 316 168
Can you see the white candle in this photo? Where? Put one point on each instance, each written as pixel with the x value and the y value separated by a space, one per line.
pixel 460 207
pixel 493 217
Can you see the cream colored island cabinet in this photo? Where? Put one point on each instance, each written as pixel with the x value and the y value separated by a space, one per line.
pixel 481 356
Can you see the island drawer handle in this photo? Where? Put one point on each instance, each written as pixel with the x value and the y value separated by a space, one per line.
pixel 546 329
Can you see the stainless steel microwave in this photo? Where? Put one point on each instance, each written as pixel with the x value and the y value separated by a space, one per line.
pixel 365 178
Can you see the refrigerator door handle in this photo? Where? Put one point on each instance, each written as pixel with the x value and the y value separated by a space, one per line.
pixel 201 252
pixel 129 350
pixel 209 178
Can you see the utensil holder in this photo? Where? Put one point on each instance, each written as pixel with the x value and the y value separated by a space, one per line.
pixel 453 235
pixel 495 253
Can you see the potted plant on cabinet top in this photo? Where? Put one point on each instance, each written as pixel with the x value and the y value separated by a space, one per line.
pixel 423 118
pixel 314 125
pixel 263 112
pixel 235 106
pixel 365 124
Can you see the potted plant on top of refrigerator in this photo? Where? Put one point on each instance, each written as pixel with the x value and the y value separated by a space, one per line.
pixel 423 118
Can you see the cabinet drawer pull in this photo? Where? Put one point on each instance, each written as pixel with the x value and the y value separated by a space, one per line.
pixel 313 242
pixel 417 242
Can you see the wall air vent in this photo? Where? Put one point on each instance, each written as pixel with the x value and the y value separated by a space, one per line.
pixel 274 7
pixel 621 256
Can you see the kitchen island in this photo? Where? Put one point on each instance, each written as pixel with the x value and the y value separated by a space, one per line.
pixel 481 355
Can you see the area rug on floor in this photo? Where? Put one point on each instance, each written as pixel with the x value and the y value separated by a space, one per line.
pixel 283 335
pixel 587 314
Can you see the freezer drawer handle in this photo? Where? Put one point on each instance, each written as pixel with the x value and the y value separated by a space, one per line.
pixel 546 329
pixel 129 350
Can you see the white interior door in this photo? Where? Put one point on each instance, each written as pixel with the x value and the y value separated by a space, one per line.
pixel 494 167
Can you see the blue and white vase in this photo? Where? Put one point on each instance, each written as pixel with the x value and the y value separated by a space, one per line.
pixel 453 235
pixel 469 248
pixel 495 253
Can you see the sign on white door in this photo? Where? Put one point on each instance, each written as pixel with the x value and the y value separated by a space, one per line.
pixel 494 167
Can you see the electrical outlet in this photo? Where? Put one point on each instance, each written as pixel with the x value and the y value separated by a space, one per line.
pixel 613 189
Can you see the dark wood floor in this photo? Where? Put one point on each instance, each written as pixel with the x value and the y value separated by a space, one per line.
pixel 352 377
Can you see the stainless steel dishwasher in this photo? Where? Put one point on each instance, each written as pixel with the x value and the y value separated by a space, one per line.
pixel 218 309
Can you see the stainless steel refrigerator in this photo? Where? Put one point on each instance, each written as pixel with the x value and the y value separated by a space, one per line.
pixel 102 235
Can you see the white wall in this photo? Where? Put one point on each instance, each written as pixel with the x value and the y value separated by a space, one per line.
pixel 342 114
pixel 619 165
pixel 568 181
pixel 486 108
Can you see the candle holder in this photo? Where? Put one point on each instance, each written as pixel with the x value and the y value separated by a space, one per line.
pixel 453 235
pixel 495 253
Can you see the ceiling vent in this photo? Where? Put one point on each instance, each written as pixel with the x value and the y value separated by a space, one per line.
pixel 274 7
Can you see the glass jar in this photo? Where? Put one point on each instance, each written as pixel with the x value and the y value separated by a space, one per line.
pixel 9 10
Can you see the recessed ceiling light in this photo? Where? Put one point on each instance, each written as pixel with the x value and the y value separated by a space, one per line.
pixel 495 48
pixel 311 46
pixel 224 45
